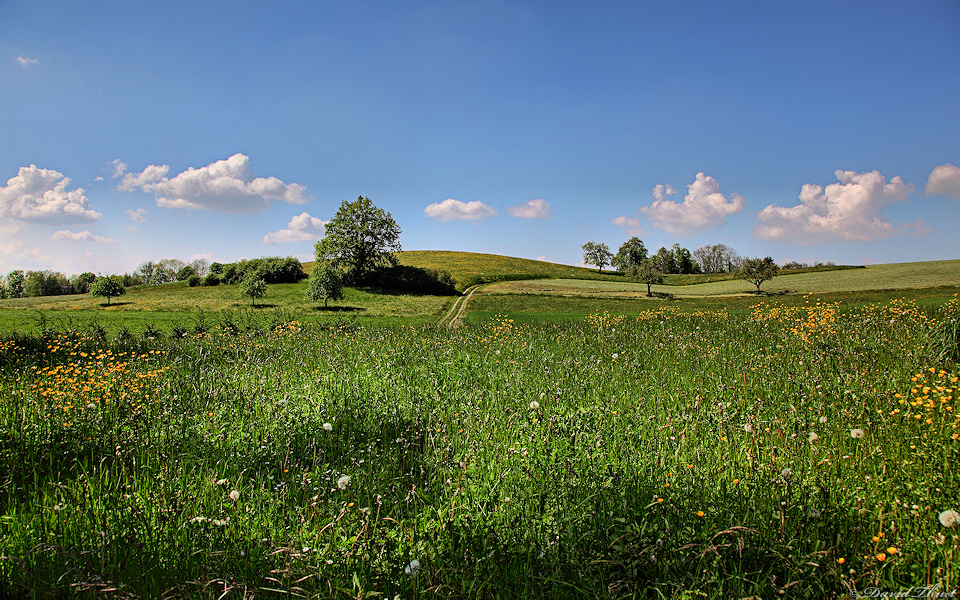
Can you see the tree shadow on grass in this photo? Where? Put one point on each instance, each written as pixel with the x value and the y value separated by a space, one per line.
pixel 112 304
pixel 336 309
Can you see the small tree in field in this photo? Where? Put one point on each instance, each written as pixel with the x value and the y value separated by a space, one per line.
pixel 646 272
pixel 758 270
pixel 107 287
pixel 326 282
pixel 596 254
pixel 253 287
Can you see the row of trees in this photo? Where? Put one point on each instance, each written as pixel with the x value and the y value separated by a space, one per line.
pixel 633 260
pixel 19 284
pixel 717 258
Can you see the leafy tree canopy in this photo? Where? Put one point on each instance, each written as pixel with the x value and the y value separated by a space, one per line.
pixel 360 237
pixel 108 287
pixel 596 254
pixel 326 282
pixel 631 253
pixel 253 287
pixel 758 270
pixel 646 272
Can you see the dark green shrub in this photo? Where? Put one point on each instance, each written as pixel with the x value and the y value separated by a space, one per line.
pixel 194 280
pixel 186 273
pixel 211 280
pixel 412 280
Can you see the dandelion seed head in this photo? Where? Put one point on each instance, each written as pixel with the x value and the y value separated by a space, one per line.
pixel 343 482
pixel 748 428
pixel 787 473
pixel 412 568
pixel 949 518
pixel 234 495
pixel 812 437
pixel 823 419
pixel 534 405
pixel 856 433
pixel 327 427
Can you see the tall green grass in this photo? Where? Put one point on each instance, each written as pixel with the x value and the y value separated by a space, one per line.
pixel 669 454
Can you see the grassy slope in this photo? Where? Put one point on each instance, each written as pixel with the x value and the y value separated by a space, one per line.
pixel 586 290
pixel 875 277
pixel 164 306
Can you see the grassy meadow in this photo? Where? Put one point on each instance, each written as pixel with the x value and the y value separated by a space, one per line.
pixel 801 446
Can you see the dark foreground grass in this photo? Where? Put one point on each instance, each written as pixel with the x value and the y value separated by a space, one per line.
pixel 800 452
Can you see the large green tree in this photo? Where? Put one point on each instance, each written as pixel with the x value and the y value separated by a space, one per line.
pixel 631 253
pixel 361 238
pixel 596 254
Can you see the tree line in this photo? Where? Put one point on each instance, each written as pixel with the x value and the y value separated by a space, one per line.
pixel 633 259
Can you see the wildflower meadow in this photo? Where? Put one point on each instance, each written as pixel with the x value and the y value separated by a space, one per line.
pixel 807 451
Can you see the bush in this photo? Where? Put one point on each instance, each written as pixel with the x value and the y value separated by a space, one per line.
pixel 412 280
pixel 230 274
pixel 186 273
pixel 211 280
pixel 271 270
pixel 194 280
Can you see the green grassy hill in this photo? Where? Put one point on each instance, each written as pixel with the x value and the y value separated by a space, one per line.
pixel 524 286
pixel 471 268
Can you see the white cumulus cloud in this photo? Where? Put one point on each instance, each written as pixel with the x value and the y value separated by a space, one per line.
pixel 626 222
pixel 302 228
pixel 225 185
pixel 41 195
pixel 455 210
pixel 943 181
pixel 703 206
pixel 119 168
pixel 81 236
pixel 848 211
pixel 534 209
pixel 138 216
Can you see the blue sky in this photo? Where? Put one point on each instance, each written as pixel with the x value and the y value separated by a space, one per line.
pixel 224 130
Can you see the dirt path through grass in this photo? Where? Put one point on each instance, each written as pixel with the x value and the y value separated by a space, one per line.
pixel 455 315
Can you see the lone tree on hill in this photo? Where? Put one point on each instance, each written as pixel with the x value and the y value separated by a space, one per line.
pixel 326 282
pixel 253 287
pixel 646 272
pixel 758 270
pixel 596 254
pixel 107 287
pixel 631 253
pixel 360 237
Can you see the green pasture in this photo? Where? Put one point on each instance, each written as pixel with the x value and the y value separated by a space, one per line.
pixel 545 307
pixel 874 277
pixel 792 451
pixel 177 305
